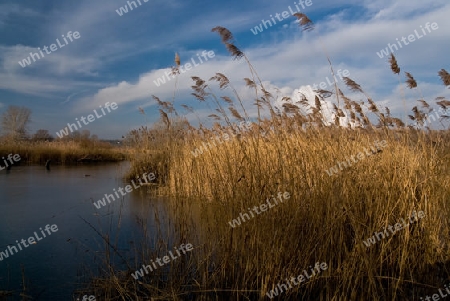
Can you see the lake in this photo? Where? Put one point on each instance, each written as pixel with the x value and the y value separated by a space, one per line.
pixel 32 197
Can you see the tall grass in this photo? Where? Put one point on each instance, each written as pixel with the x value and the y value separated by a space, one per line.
pixel 62 152
pixel 325 220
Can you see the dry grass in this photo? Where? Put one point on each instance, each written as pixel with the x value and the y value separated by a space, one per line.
pixel 62 152
pixel 325 220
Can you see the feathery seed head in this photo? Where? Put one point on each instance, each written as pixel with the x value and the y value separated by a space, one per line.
pixel 411 82
pixel 304 21
pixel 177 59
pixel 352 85
pixel 445 77
pixel 394 66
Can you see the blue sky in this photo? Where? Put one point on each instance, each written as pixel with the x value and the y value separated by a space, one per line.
pixel 117 58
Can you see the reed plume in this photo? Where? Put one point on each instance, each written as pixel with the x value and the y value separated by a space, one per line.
pixel 236 114
pixel 396 70
pixel 410 82
pixel 221 79
pixel 304 22
pixel 443 103
pixel 177 59
pixel 227 99
pixel 224 33
pixel 353 85
pixel 290 108
pixel 394 65
pixel 235 52
pixel 445 77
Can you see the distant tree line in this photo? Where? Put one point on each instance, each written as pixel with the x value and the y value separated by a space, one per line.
pixel 15 127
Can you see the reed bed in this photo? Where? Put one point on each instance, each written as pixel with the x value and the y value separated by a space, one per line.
pixel 62 152
pixel 326 219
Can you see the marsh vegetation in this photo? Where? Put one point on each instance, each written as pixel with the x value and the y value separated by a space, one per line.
pixel 326 218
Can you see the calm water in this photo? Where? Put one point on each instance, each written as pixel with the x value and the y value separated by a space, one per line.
pixel 32 197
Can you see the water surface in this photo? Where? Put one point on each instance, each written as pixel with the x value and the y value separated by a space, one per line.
pixel 32 197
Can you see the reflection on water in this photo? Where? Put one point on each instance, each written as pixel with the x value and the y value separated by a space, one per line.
pixel 32 197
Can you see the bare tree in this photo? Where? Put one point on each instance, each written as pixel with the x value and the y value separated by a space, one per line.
pixel 15 120
pixel 75 136
pixel 85 134
pixel 42 135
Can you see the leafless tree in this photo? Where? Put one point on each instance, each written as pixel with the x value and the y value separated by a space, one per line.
pixel 15 121
pixel 85 134
pixel 41 135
